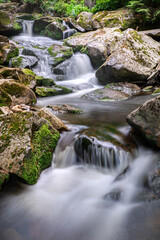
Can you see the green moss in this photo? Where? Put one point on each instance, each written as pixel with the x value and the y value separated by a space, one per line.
pixel 54 91
pixel 47 82
pixel 60 54
pixel 156 91
pixel 137 37
pixel 4 19
pixel 17 26
pixel 84 50
pixel 13 53
pixel 16 62
pixel 28 71
pixel 4 177
pixel 44 143
pixel 5 99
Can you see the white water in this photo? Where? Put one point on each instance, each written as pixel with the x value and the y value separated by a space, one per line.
pixel 68 32
pixel 27 27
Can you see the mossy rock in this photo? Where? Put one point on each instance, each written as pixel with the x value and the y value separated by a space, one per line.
pixel 28 72
pixel 4 177
pixel 5 99
pixel 54 30
pixel 46 82
pixel 24 62
pixel 157 91
pixel 4 20
pixel 29 17
pixel 53 91
pixel 27 144
pixel 59 53
pixel 12 53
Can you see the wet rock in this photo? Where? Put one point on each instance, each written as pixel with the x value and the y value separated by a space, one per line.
pixel 29 52
pixel 114 91
pixel 46 82
pixel 5 99
pixel 97 153
pixel 145 121
pixel 114 195
pixel 73 24
pixel 61 69
pixel 153 33
pixel 8 50
pixel 85 20
pixel 24 62
pixel 4 177
pixel 56 122
pixel 133 61
pixel 14 93
pixel 52 91
pixel 54 30
pixel 121 18
pixel 66 108
pixel 40 24
pixel 9 26
pixel 98 45
pixel 26 145
pixel 59 53
pixel 25 76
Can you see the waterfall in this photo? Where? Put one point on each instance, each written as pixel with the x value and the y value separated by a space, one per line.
pixel 80 64
pixel 27 27
pixel 68 32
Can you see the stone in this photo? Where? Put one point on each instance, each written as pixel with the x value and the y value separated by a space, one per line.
pixel 146 121
pixel 54 30
pixel 26 145
pixel 8 50
pixel 114 91
pixel 73 24
pixel 46 82
pixel 9 25
pixel 121 18
pixel 29 52
pixel 153 33
pixel 85 20
pixel 48 115
pixel 25 76
pixel 133 61
pixel 52 91
pixel 40 24
pixel 98 45
pixel 18 93
pixel 66 108
pixel 5 98
pixel 24 62
pixel 59 53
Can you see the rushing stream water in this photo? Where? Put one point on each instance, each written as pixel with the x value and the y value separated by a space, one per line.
pixel 74 200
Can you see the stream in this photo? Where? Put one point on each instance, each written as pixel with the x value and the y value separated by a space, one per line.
pixel 78 197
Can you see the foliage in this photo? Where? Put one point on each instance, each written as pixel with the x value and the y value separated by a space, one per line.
pixel 108 5
pixel 146 10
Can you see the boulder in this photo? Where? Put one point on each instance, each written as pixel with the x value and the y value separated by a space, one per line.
pixel 121 18
pixel 85 20
pixel 73 24
pixel 52 91
pixel 59 53
pixel 98 45
pixel 114 91
pixel 24 62
pixel 25 76
pixel 18 93
pixel 65 108
pixel 40 25
pixel 5 99
pixel 48 115
pixel 145 120
pixel 29 52
pixel 9 26
pixel 133 61
pixel 8 50
pixel 54 30
pixel 153 33
pixel 26 145
pixel 46 82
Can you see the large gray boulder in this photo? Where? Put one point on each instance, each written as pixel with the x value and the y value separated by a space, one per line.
pixel 98 45
pixel 146 121
pixel 133 61
pixel 24 62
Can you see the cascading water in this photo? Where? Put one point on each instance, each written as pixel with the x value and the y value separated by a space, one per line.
pixel 27 27
pixel 68 32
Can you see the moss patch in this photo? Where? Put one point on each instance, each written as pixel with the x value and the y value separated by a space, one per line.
pixel 4 19
pixel 13 53
pixel 44 143
pixel 47 82
pixel 16 62
pixel 57 90
pixel 28 71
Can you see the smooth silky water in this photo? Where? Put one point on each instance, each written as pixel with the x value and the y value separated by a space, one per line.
pixel 75 200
